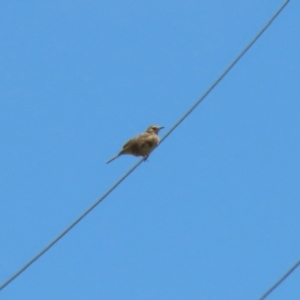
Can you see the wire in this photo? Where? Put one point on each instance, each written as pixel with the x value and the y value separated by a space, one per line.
pixel 227 69
pixel 277 283
pixel 22 269
pixel 4 284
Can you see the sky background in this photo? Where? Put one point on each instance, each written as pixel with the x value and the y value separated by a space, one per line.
pixel 214 214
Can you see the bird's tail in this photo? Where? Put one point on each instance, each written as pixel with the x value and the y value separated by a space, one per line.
pixel 116 156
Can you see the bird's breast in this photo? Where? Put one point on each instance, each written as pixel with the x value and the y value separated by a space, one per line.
pixel 148 144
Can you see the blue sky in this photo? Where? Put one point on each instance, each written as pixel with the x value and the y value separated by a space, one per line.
pixel 214 214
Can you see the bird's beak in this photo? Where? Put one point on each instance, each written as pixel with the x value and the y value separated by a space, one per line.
pixel 161 127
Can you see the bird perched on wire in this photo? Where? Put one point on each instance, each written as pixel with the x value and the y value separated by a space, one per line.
pixel 142 144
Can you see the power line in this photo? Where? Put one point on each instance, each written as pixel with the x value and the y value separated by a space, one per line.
pixel 277 283
pixel 228 68
pixel 22 269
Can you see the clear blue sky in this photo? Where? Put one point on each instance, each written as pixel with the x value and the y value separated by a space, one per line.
pixel 214 214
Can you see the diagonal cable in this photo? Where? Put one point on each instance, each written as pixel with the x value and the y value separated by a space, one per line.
pixel 54 241
pixel 228 68
pixel 277 283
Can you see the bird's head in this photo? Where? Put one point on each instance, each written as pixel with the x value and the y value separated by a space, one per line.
pixel 154 129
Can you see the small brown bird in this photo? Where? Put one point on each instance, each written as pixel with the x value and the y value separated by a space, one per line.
pixel 142 144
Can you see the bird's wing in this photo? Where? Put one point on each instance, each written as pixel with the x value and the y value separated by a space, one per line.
pixel 142 138
pixel 129 143
pixel 135 140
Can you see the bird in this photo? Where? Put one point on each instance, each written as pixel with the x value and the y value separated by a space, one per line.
pixel 142 144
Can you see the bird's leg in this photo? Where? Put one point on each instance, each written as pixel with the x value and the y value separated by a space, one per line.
pixel 146 157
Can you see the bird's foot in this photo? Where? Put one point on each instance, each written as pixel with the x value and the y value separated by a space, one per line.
pixel 146 158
